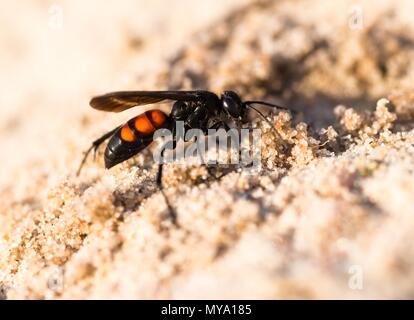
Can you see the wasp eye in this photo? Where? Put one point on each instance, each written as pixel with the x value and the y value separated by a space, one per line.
pixel 230 107
pixel 232 104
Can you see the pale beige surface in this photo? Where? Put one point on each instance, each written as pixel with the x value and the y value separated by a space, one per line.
pixel 330 221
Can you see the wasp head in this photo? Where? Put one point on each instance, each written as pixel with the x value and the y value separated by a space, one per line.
pixel 233 105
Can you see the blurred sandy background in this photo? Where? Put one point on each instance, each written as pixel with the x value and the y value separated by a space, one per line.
pixel 333 218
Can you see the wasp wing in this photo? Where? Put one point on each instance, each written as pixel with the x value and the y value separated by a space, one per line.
pixel 123 100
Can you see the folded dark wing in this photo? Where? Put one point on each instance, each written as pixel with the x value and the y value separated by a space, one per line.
pixel 123 100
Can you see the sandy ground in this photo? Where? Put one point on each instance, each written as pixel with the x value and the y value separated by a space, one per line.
pixel 331 217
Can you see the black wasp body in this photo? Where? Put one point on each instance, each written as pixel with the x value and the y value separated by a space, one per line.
pixel 198 109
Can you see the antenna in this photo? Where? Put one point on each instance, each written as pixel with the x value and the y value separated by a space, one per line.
pixel 277 135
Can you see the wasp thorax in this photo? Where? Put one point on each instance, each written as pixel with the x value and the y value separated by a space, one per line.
pixel 179 110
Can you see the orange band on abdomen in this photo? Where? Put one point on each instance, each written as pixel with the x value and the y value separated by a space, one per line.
pixel 143 124
pixel 127 134
pixel 158 118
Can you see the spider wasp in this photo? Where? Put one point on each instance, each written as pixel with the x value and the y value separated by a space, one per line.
pixel 198 109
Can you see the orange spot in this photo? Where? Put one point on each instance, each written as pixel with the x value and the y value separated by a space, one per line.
pixel 143 124
pixel 158 118
pixel 127 134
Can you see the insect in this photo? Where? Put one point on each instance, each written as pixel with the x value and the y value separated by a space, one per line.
pixel 198 109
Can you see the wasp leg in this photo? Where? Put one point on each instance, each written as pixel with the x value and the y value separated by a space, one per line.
pixel 216 126
pixel 173 213
pixel 95 145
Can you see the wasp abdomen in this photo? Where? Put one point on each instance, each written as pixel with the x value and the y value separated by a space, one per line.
pixel 134 136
